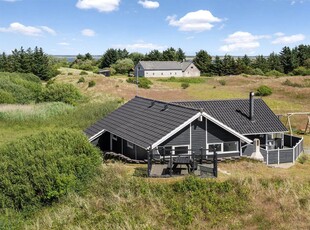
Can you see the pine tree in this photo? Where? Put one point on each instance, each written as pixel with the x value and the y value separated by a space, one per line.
pixel 203 61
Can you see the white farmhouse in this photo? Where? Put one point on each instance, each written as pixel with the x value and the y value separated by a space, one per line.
pixel 166 69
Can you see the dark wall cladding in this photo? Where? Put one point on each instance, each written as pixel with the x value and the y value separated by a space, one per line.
pixel 198 134
pixel 217 134
pixel 180 138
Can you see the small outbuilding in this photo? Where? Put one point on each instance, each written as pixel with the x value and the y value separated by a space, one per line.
pixel 105 72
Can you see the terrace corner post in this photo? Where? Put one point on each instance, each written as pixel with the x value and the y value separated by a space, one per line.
pixel 214 162
pixel 149 162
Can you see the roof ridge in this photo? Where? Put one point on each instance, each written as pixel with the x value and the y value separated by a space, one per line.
pixel 168 103
pixel 234 99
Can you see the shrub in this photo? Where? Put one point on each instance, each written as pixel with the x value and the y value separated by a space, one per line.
pixel 274 73
pixel 257 71
pixel 70 73
pixel 24 88
pixel 222 82
pixel 185 85
pixel 81 79
pixel 301 71
pixel 303 158
pixel 142 82
pixel 66 93
pixel 91 83
pixel 263 90
pixel 83 73
pixel 6 97
pixel 39 169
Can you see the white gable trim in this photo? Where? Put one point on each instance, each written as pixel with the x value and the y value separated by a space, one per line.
pixel 96 135
pixel 174 131
pixel 242 137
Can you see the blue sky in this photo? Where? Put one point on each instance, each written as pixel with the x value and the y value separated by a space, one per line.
pixel 234 27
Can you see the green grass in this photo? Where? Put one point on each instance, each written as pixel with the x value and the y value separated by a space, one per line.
pixel 194 80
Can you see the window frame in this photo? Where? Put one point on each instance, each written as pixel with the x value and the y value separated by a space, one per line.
pixel 130 144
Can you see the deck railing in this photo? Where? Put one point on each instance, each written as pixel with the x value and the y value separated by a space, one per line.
pixel 293 147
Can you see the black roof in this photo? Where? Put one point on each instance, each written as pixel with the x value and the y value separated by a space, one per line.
pixel 235 114
pixel 143 121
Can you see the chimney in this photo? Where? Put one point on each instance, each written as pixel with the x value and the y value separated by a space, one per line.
pixel 251 106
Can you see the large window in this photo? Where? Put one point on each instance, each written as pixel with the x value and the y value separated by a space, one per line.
pixel 231 146
pixel 218 146
pixel 225 147
pixel 174 150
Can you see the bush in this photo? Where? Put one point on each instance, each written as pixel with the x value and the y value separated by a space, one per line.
pixel 39 169
pixel 263 90
pixel 81 79
pixel 23 88
pixel 301 71
pixel 142 82
pixel 66 93
pixel 83 73
pixel 222 82
pixel 6 97
pixel 274 73
pixel 69 74
pixel 185 85
pixel 91 83
pixel 257 71
pixel 303 158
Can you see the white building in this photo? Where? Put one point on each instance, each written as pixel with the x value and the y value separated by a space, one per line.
pixel 166 69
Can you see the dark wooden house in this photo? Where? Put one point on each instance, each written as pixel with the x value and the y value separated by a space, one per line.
pixel 144 125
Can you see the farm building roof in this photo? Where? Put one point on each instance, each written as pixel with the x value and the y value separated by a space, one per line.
pixel 164 65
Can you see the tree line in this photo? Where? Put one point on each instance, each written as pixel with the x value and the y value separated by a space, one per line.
pixel 295 61
pixel 30 61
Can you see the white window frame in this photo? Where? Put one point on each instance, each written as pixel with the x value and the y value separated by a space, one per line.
pixel 219 143
pixel 129 144
pixel 222 147
pixel 173 148
pixel 114 137
pixel 237 144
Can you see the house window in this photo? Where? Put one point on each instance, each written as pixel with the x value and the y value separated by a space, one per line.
pixel 226 147
pixel 114 137
pixel 153 74
pixel 218 146
pixel 162 73
pixel 129 144
pixel 174 150
pixel 231 146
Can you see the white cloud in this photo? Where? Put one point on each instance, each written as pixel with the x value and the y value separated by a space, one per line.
pixel 100 5
pixel 63 43
pixel 241 41
pixel 88 33
pixel 149 4
pixel 17 27
pixel 140 45
pixel 283 40
pixel 197 21
pixel 48 30
pixel 11 0
pixel 279 34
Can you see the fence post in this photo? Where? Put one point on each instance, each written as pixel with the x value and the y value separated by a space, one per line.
pixel 267 157
pixel 294 154
pixel 201 155
pixel 278 155
pixel 149 163
pixel 214 162
pixel 170 166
